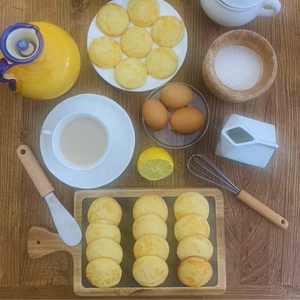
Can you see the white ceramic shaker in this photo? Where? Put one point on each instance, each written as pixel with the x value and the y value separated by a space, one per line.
pixel 246 140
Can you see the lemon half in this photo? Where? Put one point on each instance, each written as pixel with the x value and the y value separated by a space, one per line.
pixel 155 163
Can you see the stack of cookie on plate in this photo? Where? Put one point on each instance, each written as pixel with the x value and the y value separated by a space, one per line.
pixel 192 231
pixel 136 42
pixel 151 249
pixel 103 237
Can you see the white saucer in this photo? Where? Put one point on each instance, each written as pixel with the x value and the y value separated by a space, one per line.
pixel 122 141
pixel 151 83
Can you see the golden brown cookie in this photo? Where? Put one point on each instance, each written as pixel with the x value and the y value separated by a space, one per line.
pixel 161 62
pixel 150 270
pixel 195 245
pixel 191 203
pixel 105 52
pixel 194 271
pixel 150 204
pixel 105 208
pixel 104 247
pixel 167 31
pixel 130 73
pixel 136 42
pixel 151 245
pixel 102 229
pixel 112 19
pixel 190 225
pixel 103 272
pixel 149 224
pixel 143 12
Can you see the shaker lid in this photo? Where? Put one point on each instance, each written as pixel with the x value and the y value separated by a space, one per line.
pixel 241 3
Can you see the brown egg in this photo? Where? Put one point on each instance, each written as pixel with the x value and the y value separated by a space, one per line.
pixel 155 114
pixel 176 95
pixel 187 120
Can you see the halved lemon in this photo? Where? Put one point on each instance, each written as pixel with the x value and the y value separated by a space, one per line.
pixel 155 163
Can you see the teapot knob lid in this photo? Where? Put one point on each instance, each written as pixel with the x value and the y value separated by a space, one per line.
pixel 25 47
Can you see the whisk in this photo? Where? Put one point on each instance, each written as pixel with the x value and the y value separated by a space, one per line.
pixel 202 167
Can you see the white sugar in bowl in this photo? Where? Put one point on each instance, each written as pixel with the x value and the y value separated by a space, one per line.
pixel 240 65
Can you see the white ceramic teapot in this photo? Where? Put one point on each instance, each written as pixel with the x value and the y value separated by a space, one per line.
pixel 239 12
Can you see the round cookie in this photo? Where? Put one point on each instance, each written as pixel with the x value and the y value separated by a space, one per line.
pixel 136 42
pixel 149 224
pixel 161 62
pixel 151 245
pixel 102 229
pixel 103 272
pixel 195 245
pixel 194 271
pixel 105 52
pixel 105 208
pixel 130 73
pixel 104 247
pixel 143 12
pixel 191 203
pixel 150 271
pixel 150 204
pixel 190 225
pixel 167 31
pixel 112 19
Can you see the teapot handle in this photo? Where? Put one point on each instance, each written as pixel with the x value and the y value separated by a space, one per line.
pixel 274 5
pixel 4 66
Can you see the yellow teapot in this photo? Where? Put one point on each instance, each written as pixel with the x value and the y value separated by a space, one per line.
pixel 39 60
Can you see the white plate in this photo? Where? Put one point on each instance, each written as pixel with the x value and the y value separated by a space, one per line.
pixel 151 83
pixel 122 141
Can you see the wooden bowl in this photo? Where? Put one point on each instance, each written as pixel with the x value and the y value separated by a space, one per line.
pixel 255 42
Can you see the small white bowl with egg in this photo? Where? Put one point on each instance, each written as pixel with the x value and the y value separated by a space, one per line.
pixel 175 115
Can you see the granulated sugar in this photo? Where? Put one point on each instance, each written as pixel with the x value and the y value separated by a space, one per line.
pixel 238 67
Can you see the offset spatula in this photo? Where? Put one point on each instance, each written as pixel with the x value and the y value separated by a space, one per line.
pixel 67 227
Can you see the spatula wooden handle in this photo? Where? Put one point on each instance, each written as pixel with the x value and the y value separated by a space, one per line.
pixel 264 210
pixel 42 242
pixel 34 170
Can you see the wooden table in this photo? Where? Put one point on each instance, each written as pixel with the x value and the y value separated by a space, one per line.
pixel 262 260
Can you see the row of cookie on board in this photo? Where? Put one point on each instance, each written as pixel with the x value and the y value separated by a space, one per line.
pixel 151 249
pixel 136 42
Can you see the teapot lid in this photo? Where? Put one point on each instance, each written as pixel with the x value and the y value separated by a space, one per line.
pixel 21 43
pixel 241 3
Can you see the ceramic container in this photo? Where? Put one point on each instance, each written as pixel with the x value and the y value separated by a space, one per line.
pixel 39 60
pixel 239 12
pixel 246 140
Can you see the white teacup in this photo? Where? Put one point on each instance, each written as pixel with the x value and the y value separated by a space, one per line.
pixel 236 12
pixel 80 141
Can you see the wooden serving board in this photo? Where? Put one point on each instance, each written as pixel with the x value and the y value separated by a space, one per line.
pixel 42 242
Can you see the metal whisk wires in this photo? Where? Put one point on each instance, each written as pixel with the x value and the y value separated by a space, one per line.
pixel 202 167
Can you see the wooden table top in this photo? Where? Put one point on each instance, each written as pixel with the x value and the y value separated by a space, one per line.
pixel 262 260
